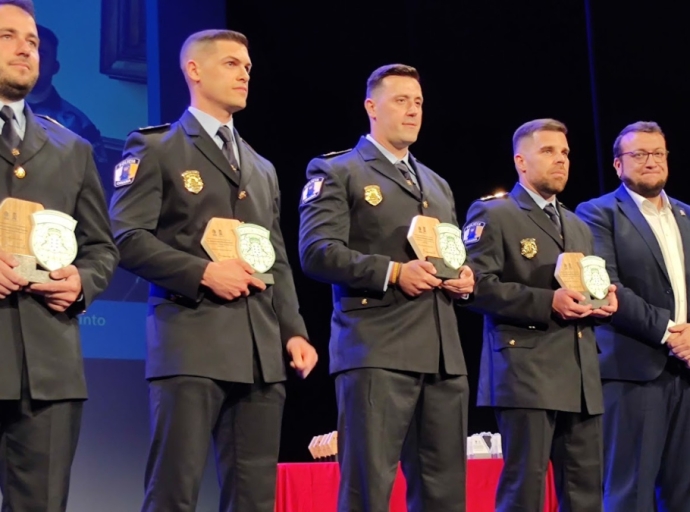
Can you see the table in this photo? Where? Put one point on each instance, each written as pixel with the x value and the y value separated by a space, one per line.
pixel 313 487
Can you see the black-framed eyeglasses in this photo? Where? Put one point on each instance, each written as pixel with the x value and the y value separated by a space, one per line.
pixel 641 157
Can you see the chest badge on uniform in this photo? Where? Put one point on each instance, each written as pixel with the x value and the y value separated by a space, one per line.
pixel 192 181
pixel 373 195
pixel 528 247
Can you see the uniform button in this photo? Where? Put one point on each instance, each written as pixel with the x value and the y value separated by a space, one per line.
pixel 365 302
pixel 243 194
pixel 511 343
pixel 669 292
pixel 425 204
pixel 579 334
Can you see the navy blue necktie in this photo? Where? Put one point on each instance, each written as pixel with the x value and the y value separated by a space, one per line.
pixel 406 172
pixel 551 212
pixel 9 134
pixel 228 151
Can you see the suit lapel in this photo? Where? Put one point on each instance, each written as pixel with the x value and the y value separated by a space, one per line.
pixel 684 228
pixel 524 201
pixel 6 153
pixel 633 213
pixel 380 164
pixel 247 162
pixel 34 138
pixel 207 145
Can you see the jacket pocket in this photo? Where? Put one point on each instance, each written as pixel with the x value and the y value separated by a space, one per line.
pixel 513 338
pixel 356 303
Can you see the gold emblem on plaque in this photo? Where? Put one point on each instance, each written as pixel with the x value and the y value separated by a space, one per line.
pixel 528 247
pixel 372 195
pixel 192 181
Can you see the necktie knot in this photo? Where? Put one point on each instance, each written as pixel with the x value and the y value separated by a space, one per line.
pixel 550 210
pixel 224 134
pixel 9 133
pixel 406 172
pixel 7 114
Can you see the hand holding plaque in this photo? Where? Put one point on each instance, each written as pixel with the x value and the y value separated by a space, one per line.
pixel 35 236
pixel 584 274
pixel 438 243
pixel 228 239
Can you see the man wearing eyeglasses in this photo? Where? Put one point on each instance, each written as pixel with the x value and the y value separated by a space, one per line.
pixel 644 235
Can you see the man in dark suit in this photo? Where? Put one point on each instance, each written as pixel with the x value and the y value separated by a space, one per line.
pixel 644 236
pixel 217 334
pixel 400 380
pixel 42 386
pixel 539 366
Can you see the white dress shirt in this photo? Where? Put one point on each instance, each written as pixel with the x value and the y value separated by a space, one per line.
pixel 665 229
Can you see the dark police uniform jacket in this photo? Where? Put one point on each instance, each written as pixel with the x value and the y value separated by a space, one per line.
pixel 180 179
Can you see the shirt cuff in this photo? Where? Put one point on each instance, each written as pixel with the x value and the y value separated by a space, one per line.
pixel 388 275
pixel 671 323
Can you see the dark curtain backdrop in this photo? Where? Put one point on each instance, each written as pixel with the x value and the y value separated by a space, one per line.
pixel 486 68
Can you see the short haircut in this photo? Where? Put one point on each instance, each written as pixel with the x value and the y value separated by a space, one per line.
pixel 47 36
pixel 24 5
pixel 639 126
pixel 210 36
pixel 379 74
pixel 538 125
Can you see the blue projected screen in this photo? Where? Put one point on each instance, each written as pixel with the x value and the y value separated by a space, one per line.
pixel 93 81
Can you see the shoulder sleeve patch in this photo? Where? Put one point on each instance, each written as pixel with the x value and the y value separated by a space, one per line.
pixel 473 232
pixel 335 153
pixel 312 190
pixel 125 172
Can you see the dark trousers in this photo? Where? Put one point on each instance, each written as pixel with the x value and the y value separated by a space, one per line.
pixel 647 443
pixel 38 440
pixel 532 437
pixel 244 421
pixel 388 416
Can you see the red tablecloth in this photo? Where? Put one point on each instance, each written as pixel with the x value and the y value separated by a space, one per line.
pixel 313 487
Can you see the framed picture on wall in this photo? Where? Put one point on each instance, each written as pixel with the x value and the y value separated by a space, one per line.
pixel 123 40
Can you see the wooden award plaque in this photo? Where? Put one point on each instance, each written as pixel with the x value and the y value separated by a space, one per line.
pixel 15 236
pixel 568 271
pixel 569 275
pixel 221 242
pixel 423 237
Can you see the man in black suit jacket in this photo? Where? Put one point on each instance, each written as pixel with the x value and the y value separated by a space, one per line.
pixel 42 386
pixel 217 334
pixel 644 236
pixel 539 366
pixel 395 350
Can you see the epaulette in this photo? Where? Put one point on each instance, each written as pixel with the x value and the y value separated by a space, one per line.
pixel 335 153
pixel 499 195
pixel 50 119
pixel 146 129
